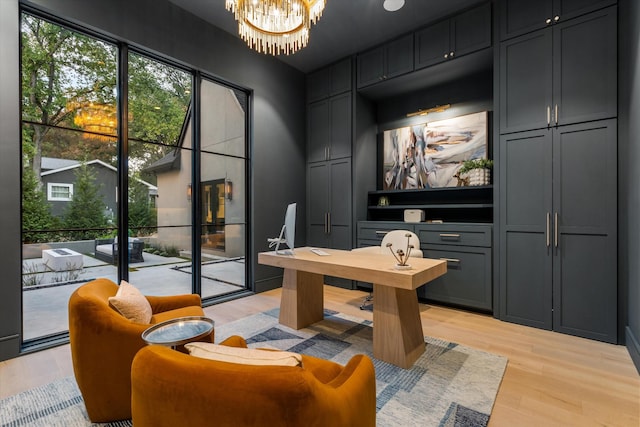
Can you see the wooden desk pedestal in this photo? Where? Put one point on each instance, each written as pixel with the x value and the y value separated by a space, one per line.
pixel 397 330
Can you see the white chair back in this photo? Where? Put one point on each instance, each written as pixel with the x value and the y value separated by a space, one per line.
pixel 398 240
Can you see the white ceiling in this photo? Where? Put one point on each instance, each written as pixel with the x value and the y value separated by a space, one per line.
pixel 346 26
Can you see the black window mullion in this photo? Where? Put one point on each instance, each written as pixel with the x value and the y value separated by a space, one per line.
pixel 123 156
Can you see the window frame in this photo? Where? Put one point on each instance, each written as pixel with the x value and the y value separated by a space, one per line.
pixel 50 191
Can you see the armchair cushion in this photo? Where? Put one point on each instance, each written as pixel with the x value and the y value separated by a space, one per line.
pixel 130 302
pixel 245 356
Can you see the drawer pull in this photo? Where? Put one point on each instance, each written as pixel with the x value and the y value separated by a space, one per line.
pixel 449 235
pixel 451 259
pixel 381 232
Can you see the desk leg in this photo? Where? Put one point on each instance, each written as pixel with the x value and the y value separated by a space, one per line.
pixel 397 330
pixel 302 300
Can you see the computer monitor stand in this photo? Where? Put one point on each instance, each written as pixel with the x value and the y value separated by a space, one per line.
pixel 277 241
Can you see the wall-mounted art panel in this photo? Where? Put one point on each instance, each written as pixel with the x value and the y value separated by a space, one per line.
pixel 429 155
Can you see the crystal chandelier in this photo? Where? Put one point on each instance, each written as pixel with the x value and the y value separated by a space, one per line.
pixel 275 26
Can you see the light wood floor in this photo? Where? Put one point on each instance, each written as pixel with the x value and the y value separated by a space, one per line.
pixel 551 379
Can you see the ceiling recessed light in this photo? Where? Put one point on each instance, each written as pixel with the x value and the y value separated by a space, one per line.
pixel 392 5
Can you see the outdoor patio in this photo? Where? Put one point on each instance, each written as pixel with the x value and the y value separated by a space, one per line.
pixel 46 292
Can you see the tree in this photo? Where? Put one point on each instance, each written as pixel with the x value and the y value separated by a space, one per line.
pixel 62 72
pixel 36 212
pixel 142 217
pixel 85 212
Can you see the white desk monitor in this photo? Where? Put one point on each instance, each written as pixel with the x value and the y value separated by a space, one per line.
pixel 287 233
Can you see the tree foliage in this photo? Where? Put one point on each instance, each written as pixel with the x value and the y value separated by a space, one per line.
pixel 69 96
pixel 85 211
pixel 142 216
pixel 36 212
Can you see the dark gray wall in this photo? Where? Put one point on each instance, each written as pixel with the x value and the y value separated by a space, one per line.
pixel 278 119
pixel 10 286
pixel 629 174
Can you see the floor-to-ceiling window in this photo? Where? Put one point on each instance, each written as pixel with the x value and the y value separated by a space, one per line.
pixel 223 174
pixel 74 216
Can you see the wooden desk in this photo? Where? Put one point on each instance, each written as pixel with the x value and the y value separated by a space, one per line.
pixel 397 330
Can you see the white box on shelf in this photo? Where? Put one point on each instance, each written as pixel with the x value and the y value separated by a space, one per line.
pixel 413 215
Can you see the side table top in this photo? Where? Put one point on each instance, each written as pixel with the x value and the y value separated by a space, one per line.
pixel 178 331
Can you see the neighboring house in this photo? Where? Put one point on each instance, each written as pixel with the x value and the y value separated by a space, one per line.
pixel 59 177
pixel 222 179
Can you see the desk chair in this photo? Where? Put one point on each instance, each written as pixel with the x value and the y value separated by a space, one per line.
pixel 398 240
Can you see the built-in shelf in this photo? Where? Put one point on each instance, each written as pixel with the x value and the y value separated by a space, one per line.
pixel 451 204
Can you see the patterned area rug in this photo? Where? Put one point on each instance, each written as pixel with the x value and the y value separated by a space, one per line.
pixel 449 385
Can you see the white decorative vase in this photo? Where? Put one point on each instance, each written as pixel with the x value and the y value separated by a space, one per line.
pixel 478 177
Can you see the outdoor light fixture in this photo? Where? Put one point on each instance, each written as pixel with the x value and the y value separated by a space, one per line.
pixel 228 189
pixel 189 192
pixel 436 109
pixel 275 26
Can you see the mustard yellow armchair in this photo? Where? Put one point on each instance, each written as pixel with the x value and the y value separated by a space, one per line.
pixel 175 389
pixel 103 344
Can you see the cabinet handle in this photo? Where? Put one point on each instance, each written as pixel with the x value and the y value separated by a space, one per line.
pixel 548 115
pixel 548 21
pixel 326 230
pixel 381 232
pixel 449 235
pixel 548 234
pixel 329 222
pixel 446 55
pixel 555 230
pixel 556 114
pixel 451 260
pixel 556 18
pixel 451 54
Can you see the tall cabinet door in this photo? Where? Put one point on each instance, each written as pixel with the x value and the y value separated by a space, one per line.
pixel 329 202
pixel 317 204
pixel 340 204
pixel 585 68
pixel 525 239
pixel 585 261
pixel 340 114
pixel 526 82
pixel 318 128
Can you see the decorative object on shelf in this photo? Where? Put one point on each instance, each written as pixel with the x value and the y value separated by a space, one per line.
pixel 476 172
pixel 275 26
pixel 383 201
pixel 428 155
pixel 402 256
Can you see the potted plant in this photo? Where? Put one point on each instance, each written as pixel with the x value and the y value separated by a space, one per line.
pixel 476 171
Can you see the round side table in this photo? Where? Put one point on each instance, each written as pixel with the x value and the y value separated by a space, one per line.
pixel 179 331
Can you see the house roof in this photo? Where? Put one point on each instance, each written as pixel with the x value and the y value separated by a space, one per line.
pixel 51 163
pixel 66 164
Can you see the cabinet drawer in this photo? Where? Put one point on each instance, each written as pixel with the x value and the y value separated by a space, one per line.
pixel 467 281
pixel 464 235
pixel 372 232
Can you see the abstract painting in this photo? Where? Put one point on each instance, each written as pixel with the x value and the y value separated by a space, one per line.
pixel 428 155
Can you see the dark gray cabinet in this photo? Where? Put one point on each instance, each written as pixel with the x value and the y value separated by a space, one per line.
pixel 522 16
pixel 467 32
pixel 329 207
pixel 384 62
pixel 329 81
pixel 467 250
pixel 558 263
pixel 329 128
pixel 561 75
